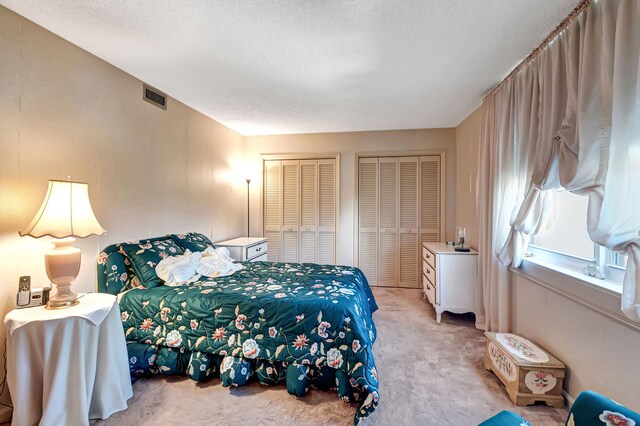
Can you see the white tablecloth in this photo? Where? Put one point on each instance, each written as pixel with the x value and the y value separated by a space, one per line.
pixel 67 366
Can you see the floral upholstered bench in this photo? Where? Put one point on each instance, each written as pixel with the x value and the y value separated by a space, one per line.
pixel 529 373
pixel 589 409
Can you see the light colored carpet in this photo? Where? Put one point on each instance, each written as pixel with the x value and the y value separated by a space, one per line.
pixel 430 374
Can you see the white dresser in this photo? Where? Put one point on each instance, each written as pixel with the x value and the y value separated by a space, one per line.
pixel 449 278
pixel 252 249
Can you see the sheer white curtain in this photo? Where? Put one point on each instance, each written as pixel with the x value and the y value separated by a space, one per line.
pixel 542 100
pixel 496 192
pixel 585 103
pixel 600 139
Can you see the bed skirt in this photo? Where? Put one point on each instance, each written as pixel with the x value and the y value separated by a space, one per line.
pixel 147 359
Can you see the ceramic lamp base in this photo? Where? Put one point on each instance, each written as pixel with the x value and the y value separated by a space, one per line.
pixel 63 265
pixel 63 303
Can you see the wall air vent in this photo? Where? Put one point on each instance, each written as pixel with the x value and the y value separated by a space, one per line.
pixel 154 96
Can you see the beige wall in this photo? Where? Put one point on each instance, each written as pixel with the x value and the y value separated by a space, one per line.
pixel 348 144
pixel 150 172
pixel 467 150
pixel 598 351
pixel 467 143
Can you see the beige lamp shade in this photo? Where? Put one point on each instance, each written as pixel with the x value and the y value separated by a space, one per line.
pixel 65 212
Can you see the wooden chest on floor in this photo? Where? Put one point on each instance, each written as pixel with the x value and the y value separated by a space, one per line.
pixel 529 373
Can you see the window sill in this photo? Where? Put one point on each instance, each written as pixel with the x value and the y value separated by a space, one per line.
pixel 598 295
pixel 607 285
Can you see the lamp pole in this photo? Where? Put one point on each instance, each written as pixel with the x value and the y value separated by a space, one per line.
pixel 248 182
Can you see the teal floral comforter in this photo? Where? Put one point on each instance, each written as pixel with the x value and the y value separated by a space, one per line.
pixel 306 317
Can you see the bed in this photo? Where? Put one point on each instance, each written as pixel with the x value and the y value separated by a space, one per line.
pixel 304 325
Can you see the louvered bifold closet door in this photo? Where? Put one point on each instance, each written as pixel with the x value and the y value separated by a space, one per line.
pixel 388 222
pixel 430 199
pixel 368 218
pixel 408 239
pixel 273 208
pixel 290 210
pixel 308 211
pixel 326 211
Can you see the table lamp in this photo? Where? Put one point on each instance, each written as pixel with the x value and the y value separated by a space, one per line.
pixel 65 213
pixel 462 232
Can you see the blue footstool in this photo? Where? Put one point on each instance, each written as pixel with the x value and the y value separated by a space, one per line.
pixel 506 418
pixel 589 408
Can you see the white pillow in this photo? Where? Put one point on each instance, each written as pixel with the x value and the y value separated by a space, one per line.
pixel 176 269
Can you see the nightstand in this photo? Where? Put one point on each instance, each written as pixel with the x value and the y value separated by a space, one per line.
pixel 243 249
pixel 449 278
pixel 67 366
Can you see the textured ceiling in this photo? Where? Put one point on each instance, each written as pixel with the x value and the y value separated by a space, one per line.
pixel 271 67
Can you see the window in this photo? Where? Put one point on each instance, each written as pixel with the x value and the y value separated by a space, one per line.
pixel 567 228
pixel 618 260
pixel 566 243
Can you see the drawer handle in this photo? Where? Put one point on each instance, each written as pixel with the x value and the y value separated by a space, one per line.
pixel 259 249
pixel 428 257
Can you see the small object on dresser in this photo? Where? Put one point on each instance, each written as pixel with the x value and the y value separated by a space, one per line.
pixel 462 232
pixel 529 373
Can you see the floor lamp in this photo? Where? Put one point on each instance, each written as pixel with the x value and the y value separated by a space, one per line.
pixel 248 182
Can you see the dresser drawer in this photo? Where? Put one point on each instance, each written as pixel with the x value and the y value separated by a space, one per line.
pixel 429 257
pixel 261 258
pixel 429 272
pixel 255 251
pixel 429 290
